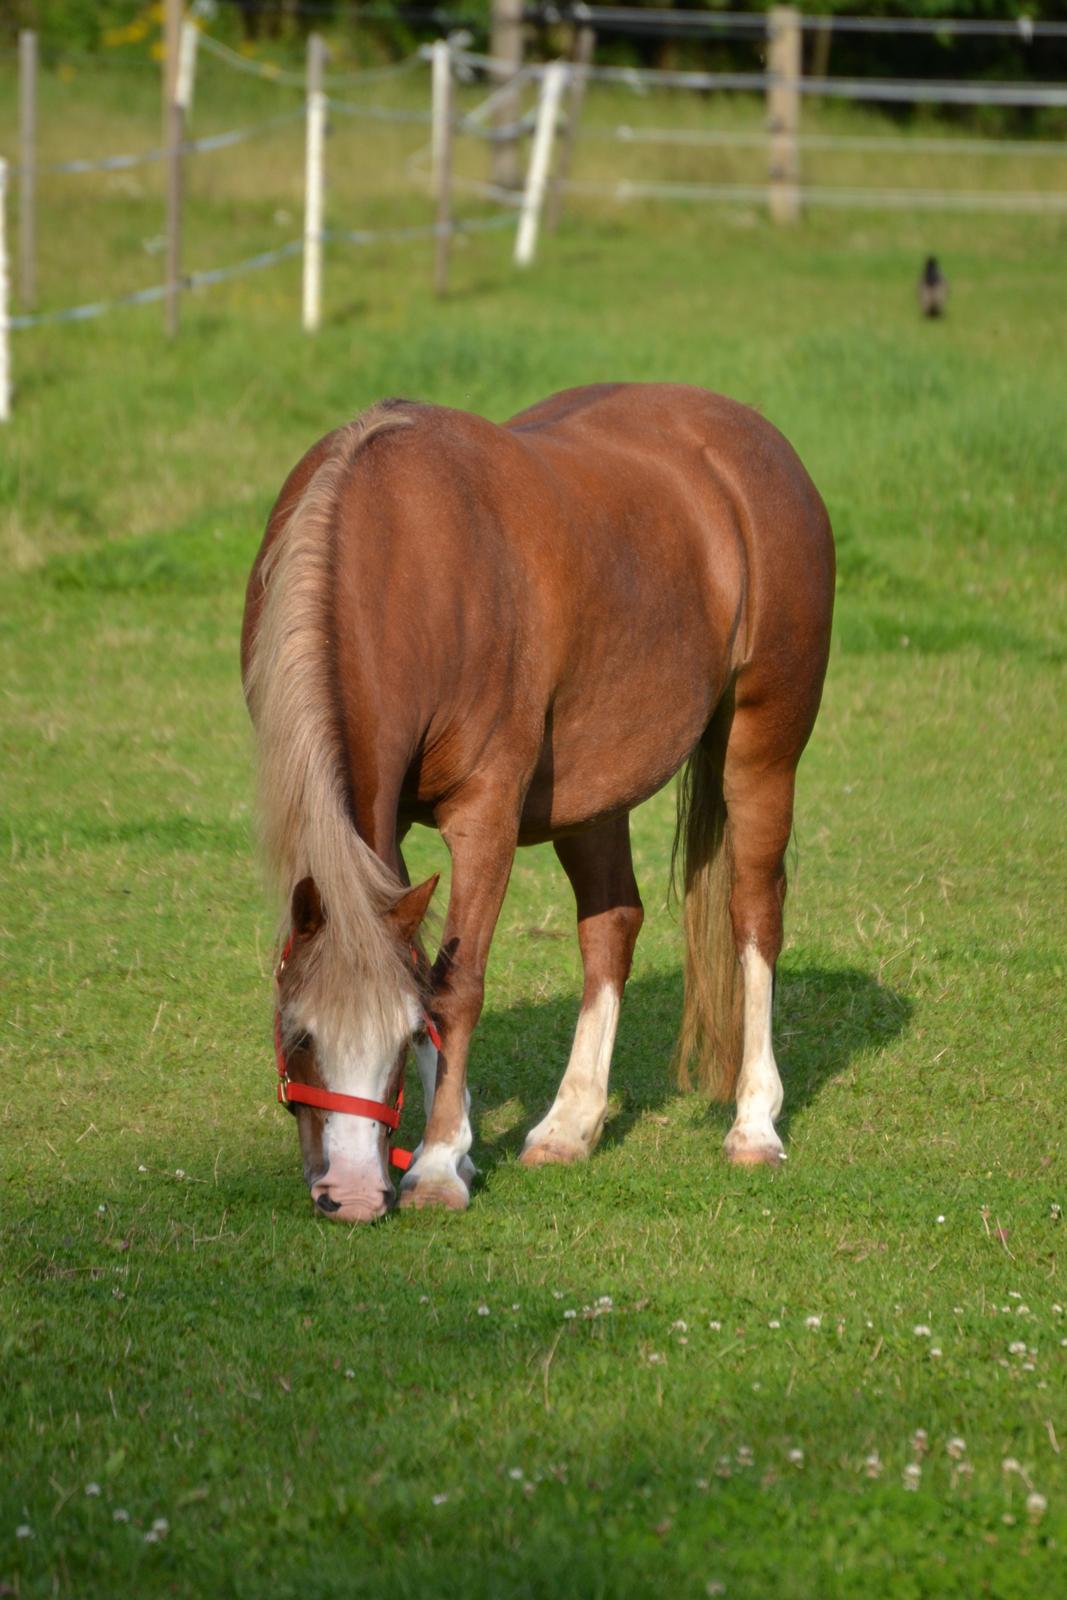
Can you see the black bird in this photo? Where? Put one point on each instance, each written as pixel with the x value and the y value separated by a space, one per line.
pixel 932 289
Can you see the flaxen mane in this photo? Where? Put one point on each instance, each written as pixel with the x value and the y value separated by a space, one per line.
pixel 354 972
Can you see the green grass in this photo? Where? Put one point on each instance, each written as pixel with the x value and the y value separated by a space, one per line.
pixel 176 1326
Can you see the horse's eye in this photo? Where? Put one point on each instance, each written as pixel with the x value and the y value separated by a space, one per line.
pixel 302 1042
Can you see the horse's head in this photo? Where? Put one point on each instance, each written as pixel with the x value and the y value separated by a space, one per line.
pixel 345 1019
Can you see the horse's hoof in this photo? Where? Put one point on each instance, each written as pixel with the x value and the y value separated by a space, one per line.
pixel 451 1194
pixel 553 1152
pixel 753 1150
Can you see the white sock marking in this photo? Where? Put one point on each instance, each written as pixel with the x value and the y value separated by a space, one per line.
pixel 577 1114
pixel 759 1088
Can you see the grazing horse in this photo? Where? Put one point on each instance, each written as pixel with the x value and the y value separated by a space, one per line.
pixel 514 634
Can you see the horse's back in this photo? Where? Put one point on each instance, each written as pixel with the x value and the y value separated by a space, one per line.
pixel 577 586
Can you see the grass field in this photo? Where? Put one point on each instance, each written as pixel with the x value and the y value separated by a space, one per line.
pixel 654 1375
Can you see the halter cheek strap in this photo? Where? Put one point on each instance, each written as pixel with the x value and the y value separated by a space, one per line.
pixel 309 1094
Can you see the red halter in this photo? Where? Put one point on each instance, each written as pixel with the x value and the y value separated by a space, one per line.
pixel 307 1094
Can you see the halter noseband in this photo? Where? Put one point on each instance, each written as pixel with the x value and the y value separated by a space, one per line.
pixel 308 1094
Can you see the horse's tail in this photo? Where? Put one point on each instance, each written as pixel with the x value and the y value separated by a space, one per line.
pixel 710 1037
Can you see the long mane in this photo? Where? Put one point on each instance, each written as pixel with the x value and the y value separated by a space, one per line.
pixel 354 971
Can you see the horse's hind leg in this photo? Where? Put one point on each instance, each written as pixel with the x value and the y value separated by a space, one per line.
pixel 758 783
pixel 600 869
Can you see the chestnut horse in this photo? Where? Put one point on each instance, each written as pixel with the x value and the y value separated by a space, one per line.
pixel 513 634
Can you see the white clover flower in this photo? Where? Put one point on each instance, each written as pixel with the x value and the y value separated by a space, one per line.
pixel 23 1531
pixel 440 1499
pixel 796 1457
pixel 606 1301
pixel 120 1514
pixel 655 1359
pixel 956 1447
pixel 940 1219
pixel 774 1323
pixel 92 1490
pixel 716 1327
pixel 349 1372
pixel 679 1327
pixel 569 1314
pixel 1009 1464
pixel 921 1331
pixel 516 1473
pixel 935 1352
pixel 161 1527
pixel 1022 1311
pixel 1017 1348
pixel 912 1475
pixel 919 1440
pixel 813 1322
pixel 516 1306
pixel 142 1168
pixel 483 1310
pixel 1036 1506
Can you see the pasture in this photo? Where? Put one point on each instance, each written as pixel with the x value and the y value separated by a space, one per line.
pixel 651 1375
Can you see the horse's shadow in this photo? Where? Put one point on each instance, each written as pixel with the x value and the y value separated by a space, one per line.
pixel 826 1018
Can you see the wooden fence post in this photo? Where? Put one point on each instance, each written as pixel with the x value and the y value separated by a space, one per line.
pixel 174 124
pixel 783 112
pixel 5 331
pixel 314 182
pixel 442 160
pixel 583 58
pixel 27 168
pixel 505 46
pixel 552 86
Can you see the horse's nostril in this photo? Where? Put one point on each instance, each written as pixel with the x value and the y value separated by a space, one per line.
pixel 325 1203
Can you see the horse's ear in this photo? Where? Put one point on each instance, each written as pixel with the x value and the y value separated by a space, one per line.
pixel 305 909
pixel 405 917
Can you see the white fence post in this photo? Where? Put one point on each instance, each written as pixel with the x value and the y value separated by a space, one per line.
pixel 27 168
pixel 313 183
pixel 552 86
pixel 174 124
pixel 185 87
pixel 5 331
pixel 442 159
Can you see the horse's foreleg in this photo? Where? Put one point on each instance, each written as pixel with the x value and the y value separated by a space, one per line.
pixel 600 869
pixel 481 838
